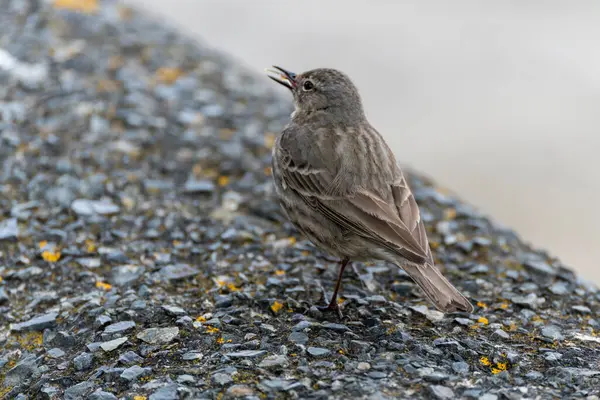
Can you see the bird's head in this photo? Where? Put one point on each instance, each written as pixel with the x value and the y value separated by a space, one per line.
pixel 322 89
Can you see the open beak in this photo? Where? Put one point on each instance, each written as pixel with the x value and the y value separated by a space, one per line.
pixel 281 76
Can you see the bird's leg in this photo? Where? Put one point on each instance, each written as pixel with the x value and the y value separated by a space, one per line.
pixel 333 305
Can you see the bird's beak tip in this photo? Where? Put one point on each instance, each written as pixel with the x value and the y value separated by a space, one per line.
pixel 281 76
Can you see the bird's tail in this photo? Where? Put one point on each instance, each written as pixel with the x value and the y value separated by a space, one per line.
pixel 440 291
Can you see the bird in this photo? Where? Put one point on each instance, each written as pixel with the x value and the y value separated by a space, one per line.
pixel 339 184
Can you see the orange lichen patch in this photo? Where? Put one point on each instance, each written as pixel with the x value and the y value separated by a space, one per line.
pixel 434 244
pixel 103 285
pixel 268 171
pixel 90 246
pixel 341 300
pixel 51 256
pixel 481 304
pixel 504 306
pixel 220 340
pixel 232 287
pixel 292 241
pixel 139 397
pixel 512 327
pixel 483 320
pixel 276 306
pixel 269 139
pixel 280 272
pixel 1 279
pixel 223 180
pixel 42 244
pixel 168 75
pixel 485 361
pixel 85 6
pixel 449 213
pixel 211 329
pixel 201 319
pixel 30 341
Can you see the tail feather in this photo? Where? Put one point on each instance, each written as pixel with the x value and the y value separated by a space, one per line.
pixel 438 289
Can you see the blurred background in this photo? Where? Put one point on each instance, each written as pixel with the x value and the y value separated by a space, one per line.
pixel 498 101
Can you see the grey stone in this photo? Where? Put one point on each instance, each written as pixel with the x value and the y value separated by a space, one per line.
pixel 87 207
pixel 174 310
pixel 83 361
pixel 9 230
pixel 298 337
pixel 159 335
pixel 236 391
pixel 23 372
pixel 119 327
pixel 441 392
pixel 302 325
pixel 335 327
pixel 79 391
pixel 221 379
pixel 274 361
pixel 130 357
pixel 191 355
pixel 178 271
pixel 113 344
pixel 318 351
pixel 134 372
pixel 204 186
pixel 102 395
pixel 460 367
pixel 552 332
pixel 56 353
pixel 528 300
pixel 552 356
pixel 501 334
pixel 246 354
pixel 36 324
pixel 168 392
pixel 582 309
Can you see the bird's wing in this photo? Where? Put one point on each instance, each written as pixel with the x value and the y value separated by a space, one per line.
pixel 396 227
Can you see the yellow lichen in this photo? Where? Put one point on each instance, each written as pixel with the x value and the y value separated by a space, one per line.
pixel 341 351
pixel 84 6
pixel 211 329
pixel 504 306
pixel 485 361
pixel 276 306
pixel 483 320
pixel 139 397
pixel 269 139
pixel 220 340
pixel 223 180
pixel 51 256
pixel 449 213
pixel 232 287
pixel 103 285
pixel 201 319
pixel 90 246
pixel 501 366
pixel 42 244
pixel 481 304
pixel 168 75
pixel 268 171
pixel 280 272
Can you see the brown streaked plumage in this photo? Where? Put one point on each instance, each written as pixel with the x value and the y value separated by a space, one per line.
pixel 340 185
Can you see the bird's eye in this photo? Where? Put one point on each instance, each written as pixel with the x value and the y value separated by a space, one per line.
pixel 308 86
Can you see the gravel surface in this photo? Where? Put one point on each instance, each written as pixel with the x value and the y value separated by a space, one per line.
pixel 143 255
